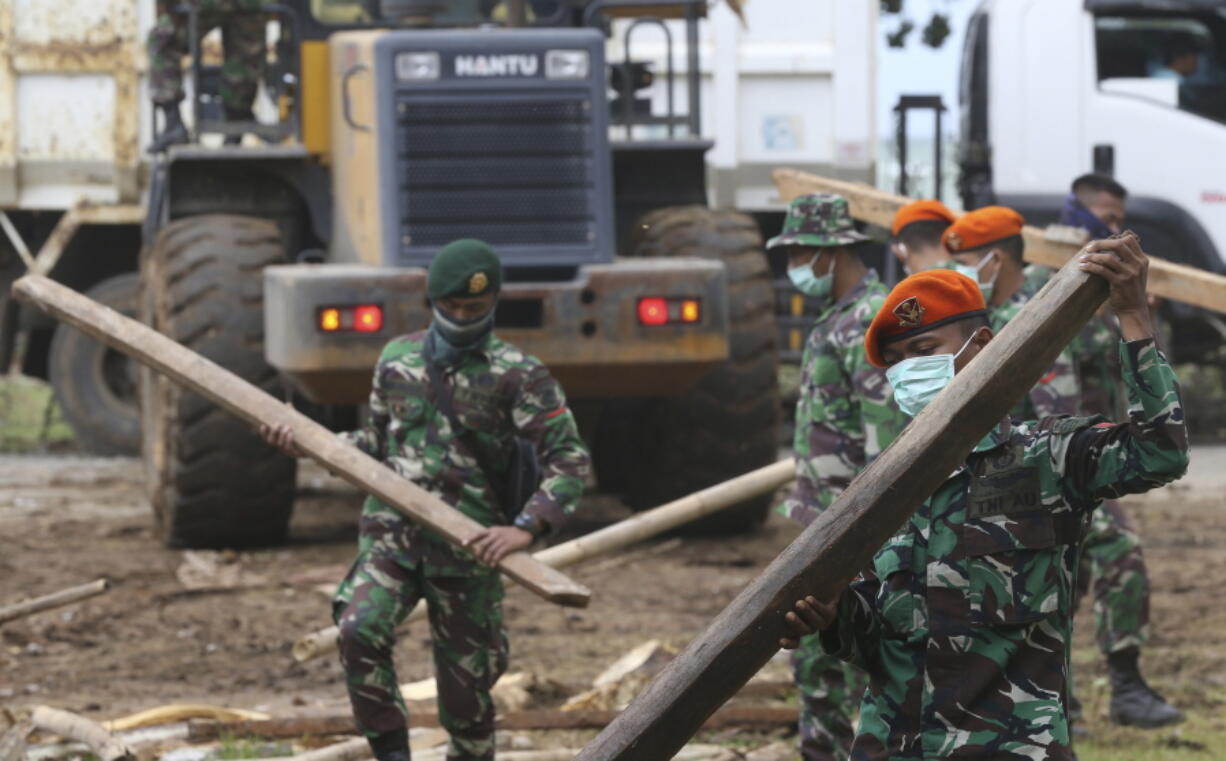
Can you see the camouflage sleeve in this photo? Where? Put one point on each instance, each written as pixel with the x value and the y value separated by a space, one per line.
pixel 1057 392
pixel 880 419
pixel 372 437
pixel 1109 460
pixel 540 415
pixel 828 444
pixel 854 635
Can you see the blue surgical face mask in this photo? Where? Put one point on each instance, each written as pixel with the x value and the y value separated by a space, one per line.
pixel 918 380
pixel 809 284
pixel 462 334
pixel 973 273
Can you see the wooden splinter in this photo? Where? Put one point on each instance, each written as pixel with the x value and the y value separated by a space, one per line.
pixel 253 405
pixel 825 556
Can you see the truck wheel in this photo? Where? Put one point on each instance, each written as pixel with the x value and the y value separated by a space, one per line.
pixel 94 384
pixel 726 424
pixel 212 480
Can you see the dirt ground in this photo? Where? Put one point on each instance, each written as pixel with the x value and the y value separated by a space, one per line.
pixel 151 641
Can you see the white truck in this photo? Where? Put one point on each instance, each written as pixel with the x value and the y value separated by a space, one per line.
pixel 1051 89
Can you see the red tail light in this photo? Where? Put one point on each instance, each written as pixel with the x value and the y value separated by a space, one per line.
pixel 653 311
pixel 368 318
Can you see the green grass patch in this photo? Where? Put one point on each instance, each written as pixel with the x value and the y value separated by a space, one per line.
pixel 30 420
pixel 231 748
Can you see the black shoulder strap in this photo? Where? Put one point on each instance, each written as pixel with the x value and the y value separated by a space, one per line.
pixel 467 437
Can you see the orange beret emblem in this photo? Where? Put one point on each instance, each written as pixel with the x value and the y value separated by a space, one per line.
pixel 909 313
pixel 953 242
pixel 477 283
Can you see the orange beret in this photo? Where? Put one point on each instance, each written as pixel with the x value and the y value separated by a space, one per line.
pixel 982 227
pixel 920 303
pixel 922 211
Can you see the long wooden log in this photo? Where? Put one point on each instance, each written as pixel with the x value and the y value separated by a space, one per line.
pixel 253 405
pixel 825 557
pixel 342 723
pixel 1167 279
pixel 53 600
pixel 611 538
pixel 104 745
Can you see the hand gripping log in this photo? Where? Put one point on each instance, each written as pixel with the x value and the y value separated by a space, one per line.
pixel 844 538
pixel 611 538
pixel 253 405
pixel 1169 280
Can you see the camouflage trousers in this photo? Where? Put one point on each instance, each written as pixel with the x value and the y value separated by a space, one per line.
pixel 469 642
pixel 242 37
pixel 830 694
pixel 1111 561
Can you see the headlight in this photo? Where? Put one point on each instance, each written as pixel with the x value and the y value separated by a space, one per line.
pixel 417 66
pixel 567 64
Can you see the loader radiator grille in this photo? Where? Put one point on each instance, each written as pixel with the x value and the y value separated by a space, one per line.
pixel 515 172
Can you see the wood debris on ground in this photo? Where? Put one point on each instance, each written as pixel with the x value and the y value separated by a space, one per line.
pixel 531 711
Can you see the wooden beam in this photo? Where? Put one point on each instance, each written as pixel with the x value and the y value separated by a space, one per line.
pixel 53 600
pixel 843 539
pixel 612 538
pixel 73 727
pixel 254 406
pixel 342 723
pixel 1169 280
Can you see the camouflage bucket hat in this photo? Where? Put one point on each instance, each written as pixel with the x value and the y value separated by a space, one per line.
pixel 818 219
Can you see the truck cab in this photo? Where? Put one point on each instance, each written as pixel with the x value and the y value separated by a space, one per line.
pixel 1052 89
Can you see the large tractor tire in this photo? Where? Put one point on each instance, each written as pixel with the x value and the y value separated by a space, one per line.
pixel 94 384
pixel 212 480
pixel 725 425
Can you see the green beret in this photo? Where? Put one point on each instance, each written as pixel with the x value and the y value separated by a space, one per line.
pixel 464 267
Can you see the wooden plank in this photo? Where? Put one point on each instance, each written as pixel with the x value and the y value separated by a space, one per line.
pixel 254 406
pixel 53 600
pixel 612 538
pixel 1169 280
pixel 105 746
pixel 825 557
pixel 342 723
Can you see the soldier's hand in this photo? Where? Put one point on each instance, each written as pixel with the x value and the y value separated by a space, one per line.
pixel 809 616
pixel 281 437
pixel 1122 263
pixel 494 543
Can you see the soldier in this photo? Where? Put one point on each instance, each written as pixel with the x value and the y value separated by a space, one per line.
pixel 963 623
pixel 495 393
pixel 917 230
pixel 844 418
pixel 242 34
pixel 1112 561
pixel 987 246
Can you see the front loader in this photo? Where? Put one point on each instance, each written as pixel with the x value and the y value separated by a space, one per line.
pixel 294 258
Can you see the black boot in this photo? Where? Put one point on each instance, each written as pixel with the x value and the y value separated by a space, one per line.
pixel 174 131
pixel 391 746
pixel 1133 703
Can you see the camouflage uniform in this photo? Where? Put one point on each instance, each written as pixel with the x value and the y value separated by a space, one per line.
pixel 964 621
pixel 242 38
pixel 845 416
pixel 1112 560
pixel 499 392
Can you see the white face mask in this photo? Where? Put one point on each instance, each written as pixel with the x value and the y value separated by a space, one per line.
pixel 917 381
pixel 972 271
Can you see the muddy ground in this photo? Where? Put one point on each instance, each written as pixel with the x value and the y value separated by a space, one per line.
pixel 150 641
